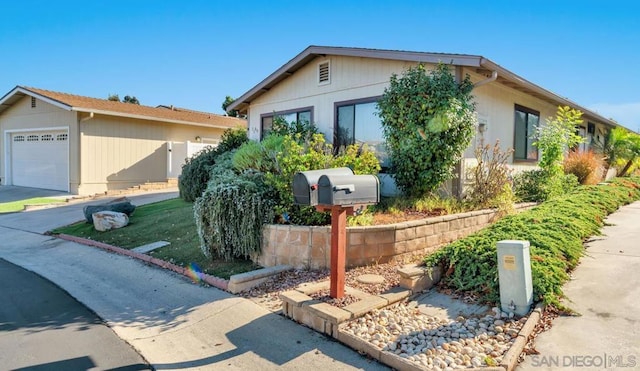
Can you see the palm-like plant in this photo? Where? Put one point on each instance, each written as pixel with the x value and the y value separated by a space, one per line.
pixel 633 147
pixel 622 145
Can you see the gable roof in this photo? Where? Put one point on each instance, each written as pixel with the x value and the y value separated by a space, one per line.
pixel 481 65
pixel 80 103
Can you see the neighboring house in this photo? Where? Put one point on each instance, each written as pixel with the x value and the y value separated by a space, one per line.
pixel 337 88
pixel 86 145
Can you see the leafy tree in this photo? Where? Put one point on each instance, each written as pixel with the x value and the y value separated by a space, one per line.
pixel 428 120
pixel 556 136
pixel 554 139
pixel 130 99
pixel 127 99
pixel 227 101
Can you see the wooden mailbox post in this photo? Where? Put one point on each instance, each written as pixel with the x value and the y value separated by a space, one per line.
pixel 338 247
pixel 340 191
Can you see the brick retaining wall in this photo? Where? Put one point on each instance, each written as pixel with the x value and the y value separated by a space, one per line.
pixel 309 247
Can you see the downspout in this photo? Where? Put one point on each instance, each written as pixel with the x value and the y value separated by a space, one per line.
pixel 87 118
pixel 494 76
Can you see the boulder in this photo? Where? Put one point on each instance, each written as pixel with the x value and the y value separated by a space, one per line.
pixel 121 206
pixel 108 220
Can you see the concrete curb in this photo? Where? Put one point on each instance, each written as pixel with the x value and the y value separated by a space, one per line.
pixel 510 359
pixel 248 280
pixel 210 280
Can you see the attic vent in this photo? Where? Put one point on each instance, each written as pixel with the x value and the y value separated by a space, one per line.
pixel 324 76
pixel 33 102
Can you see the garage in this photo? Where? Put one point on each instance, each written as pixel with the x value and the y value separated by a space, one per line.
pixel 40 159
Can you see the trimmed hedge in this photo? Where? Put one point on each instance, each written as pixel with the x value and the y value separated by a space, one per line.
pixel 556 230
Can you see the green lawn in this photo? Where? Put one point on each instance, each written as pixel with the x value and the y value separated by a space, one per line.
pixel 170 220
pixel 13 206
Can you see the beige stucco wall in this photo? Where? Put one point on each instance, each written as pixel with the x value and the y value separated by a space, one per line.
pixel 22 116
pixel 120 152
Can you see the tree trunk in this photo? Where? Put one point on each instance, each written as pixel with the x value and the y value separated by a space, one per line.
pixel 626 168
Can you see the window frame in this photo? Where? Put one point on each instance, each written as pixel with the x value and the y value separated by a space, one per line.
pixel 527 111
pixel 350 102
pixel 297 111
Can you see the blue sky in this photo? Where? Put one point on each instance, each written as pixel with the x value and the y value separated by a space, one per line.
pixel 194 53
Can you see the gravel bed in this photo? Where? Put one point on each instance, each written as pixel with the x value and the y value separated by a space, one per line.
pixel 435 343
pixel 325 296
pixel 268 293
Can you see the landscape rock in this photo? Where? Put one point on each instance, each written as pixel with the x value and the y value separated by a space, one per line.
pixel 108 220
pixel 121 206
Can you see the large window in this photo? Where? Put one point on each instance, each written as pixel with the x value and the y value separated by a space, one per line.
pixel 526 122
pixel 358 122
pixel 300 115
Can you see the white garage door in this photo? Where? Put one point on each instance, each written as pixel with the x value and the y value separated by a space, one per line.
pixel 40 159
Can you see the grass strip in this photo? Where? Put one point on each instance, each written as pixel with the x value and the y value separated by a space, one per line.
pixel 170 220
pixel 14 206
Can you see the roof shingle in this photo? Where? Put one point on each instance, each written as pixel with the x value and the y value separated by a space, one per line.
pixel 88 104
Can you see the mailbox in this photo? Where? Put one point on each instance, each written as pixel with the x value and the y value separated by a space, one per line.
pixel 348 190
pixel 305 184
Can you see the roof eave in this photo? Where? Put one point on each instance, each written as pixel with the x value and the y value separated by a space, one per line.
pixel 149 118
pixel 19 92
pixel 311 52
pixel 508 75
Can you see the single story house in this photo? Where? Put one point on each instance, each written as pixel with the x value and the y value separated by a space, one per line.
pixel 86 145
pixel 336 88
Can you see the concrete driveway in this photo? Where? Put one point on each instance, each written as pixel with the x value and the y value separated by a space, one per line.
pixel 173 323
pixel 14 193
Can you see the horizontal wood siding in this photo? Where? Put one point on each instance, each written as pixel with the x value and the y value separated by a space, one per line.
pixel 118 152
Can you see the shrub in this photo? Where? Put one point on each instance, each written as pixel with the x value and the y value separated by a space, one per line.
pixel 556 230
pixel 260 156
pixel 556 136
pixel 302 129
pixel 428 120
pixel 195 171
pixel 491 186
pixel 586 166
pixel 538 185
pixel 230 213
pixel 312 155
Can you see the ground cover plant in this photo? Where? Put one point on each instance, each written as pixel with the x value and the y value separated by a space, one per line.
pixel 556 230
pixel 170 220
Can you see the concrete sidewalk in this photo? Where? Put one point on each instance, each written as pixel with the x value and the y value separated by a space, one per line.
pixel 605 290
pixel 173 323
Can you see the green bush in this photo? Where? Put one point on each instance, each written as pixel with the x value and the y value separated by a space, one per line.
pixel 556 230
pixel 538 185
pixel 230 214
pixel 428 120
pixel 253 185
pixel 312 155
pixel 302 129
pixel 195 171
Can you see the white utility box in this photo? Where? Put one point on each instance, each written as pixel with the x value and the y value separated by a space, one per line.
pixel 514 273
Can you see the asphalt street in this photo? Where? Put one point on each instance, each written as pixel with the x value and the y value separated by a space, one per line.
pixel 43 328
